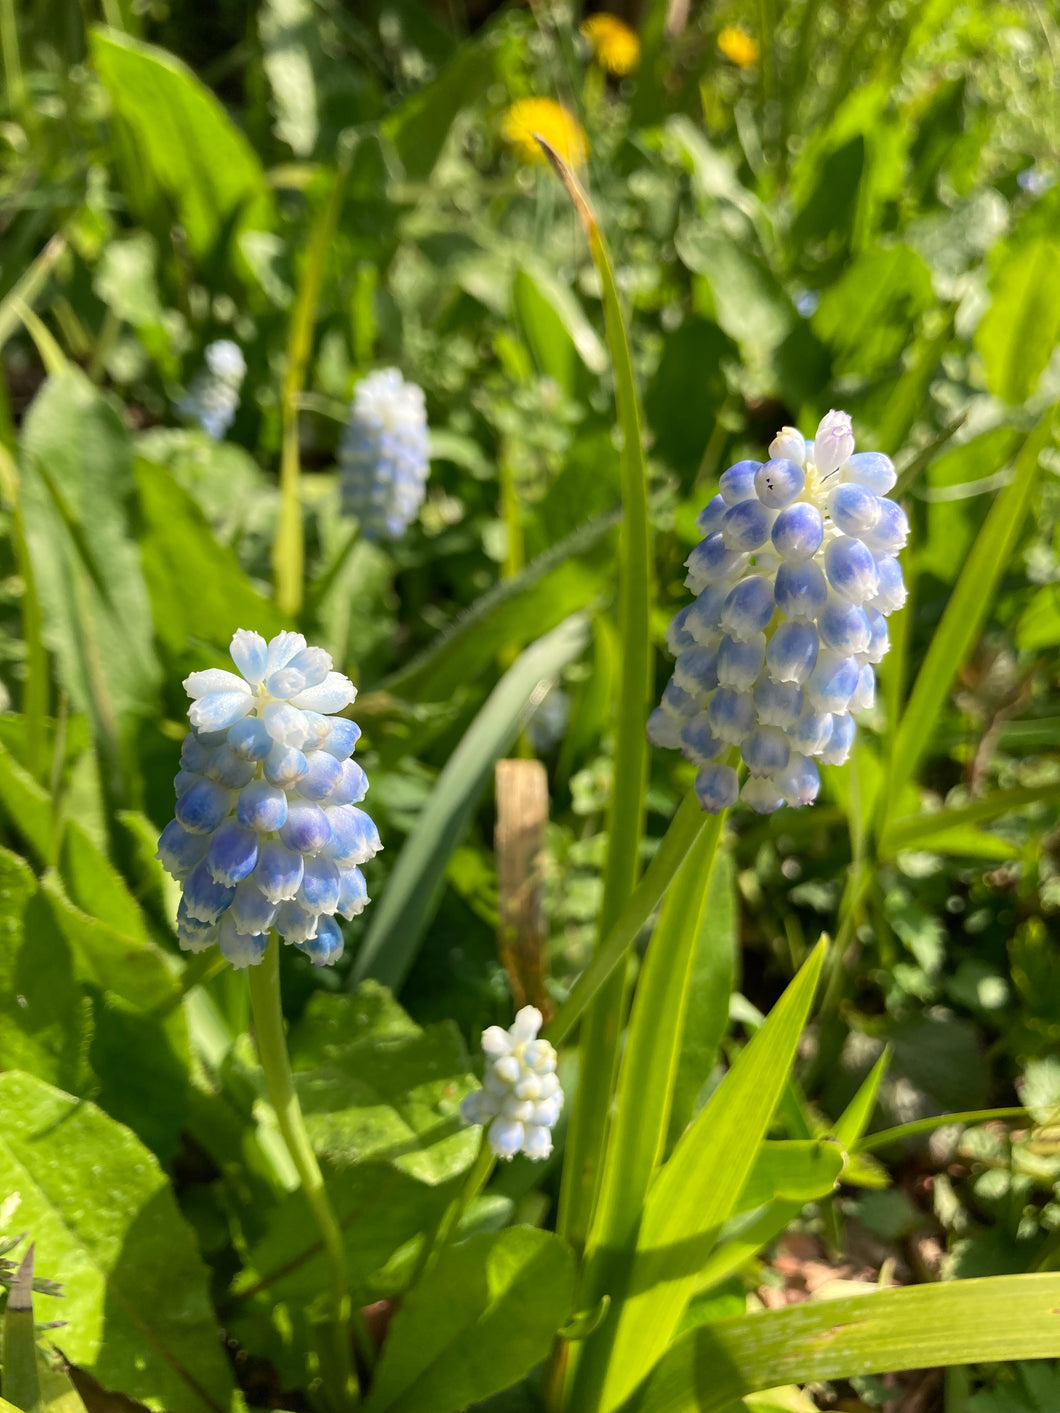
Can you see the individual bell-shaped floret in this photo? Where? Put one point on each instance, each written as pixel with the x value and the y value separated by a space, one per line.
pixel 266 833
pixel 521 1098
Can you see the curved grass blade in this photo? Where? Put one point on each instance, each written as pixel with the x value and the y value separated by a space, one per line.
pixel 599 1044
pixel 921 1327
pixel 415 887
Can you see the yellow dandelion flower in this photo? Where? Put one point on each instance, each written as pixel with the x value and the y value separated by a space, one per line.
pixel 738 46
pixel 616 47
pixel 560 129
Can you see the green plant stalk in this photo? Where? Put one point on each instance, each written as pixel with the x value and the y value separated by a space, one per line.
pixel 288 550
pixel 13 76
pixel 684 830
pixel 35 692
pixel 600 1035
pixel 477 1178
pixel 637 1140
pixel 271 1043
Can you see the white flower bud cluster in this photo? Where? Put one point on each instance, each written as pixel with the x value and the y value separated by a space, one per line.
pixel 521 1098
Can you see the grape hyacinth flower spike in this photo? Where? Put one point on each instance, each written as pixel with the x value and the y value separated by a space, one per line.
pixel 213 398
pixel 384 457
pixel 795 577
pixel 267 833
pixel 521 1096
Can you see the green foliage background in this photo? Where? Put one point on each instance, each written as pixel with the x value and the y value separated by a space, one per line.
pixel 867 218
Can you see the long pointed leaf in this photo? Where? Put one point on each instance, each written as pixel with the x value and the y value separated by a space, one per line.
pixel 415 887
pixel 695 1192
pixel 957 1322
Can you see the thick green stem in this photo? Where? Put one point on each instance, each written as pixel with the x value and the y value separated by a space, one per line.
pixel 272 1051
pixel 477 1178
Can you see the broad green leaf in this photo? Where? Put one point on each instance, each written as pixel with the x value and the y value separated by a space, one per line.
pixel 559 582
pixel 750 304
pixel 136 970
pixel 1021 328
pixel 696 1191
pixel 97 1202
pixel 1039 623
pixel 636 1139
pixel 1035 1388
pixel 286 1274
pixel 480 1320
pixel 921 1327
pixel 178 149
pixel 710 985
pixel 27 805
pixel 77 490
pixel 374 1086
pixel 415 886
pixel 179 549
pixel 555 326
pixel 45 1025
pixel 965 614
pixel 683 399
pixel 865 317
pixel 97 887
pixel 793 1170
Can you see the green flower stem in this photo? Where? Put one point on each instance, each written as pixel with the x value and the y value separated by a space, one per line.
pixel 477 1178
pixel 684 830
pixel 272 1051
pixel 288 550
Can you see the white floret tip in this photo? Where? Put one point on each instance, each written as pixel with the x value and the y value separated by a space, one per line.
pixel 212 400
pixel 793 578
pixel 266 831
pixel 521 1099
pixel 384 456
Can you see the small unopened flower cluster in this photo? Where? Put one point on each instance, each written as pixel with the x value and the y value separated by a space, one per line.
pixel 384 457
pixel 521 1098
pixel 213 398
pixel 795 577
pixel 266 832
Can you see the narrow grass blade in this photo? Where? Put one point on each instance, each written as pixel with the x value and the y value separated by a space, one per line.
pixel 26 288
pixel 916 1127
pixel 21 1379
pixel 918 831
pixel 922 1327
pixel 855 1118
pixel 637 1140
pixel 965 613
pixel 415 886
pixel 684 830
pixel 599 1042
pixel 695 1192
pixel 288 550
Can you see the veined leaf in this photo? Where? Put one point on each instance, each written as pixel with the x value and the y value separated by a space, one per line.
pixel 99 1204
pixel 921 1327
pixel 179 149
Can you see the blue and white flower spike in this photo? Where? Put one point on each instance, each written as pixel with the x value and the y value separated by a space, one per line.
pixel 384 457
pixel 521 1097
pixel 213 398
pixel 794 579
pixel 267 833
